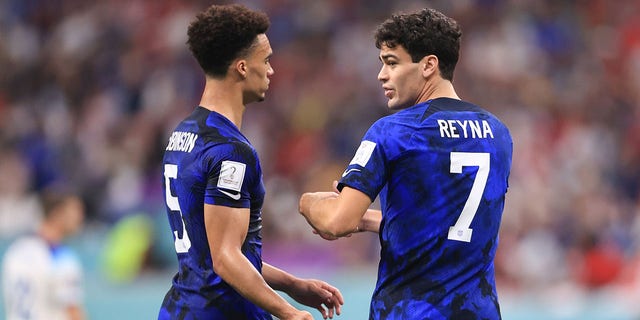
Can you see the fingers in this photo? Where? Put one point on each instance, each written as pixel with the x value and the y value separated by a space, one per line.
pixel 327 312
pixel 335 293
pixel 337 307
pixel 324 236
pixel 328 237
pixel 323 297
pixel 334 300
pixel 333 307
pixel 335 186
pixel 323 311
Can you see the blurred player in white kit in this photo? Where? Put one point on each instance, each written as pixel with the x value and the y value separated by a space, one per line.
pixel 41 277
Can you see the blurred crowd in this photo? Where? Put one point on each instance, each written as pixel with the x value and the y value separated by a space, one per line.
pixel 90 90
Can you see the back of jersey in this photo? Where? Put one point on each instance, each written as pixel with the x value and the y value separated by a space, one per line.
pixel 441 170
pixel 208 161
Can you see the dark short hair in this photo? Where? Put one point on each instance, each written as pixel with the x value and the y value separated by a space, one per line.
pixel 53 197
pixel 423 33
pixel 223 33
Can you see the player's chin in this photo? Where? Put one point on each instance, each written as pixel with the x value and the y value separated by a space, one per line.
pixel 392 104
pixel 257 97
pixel 397 105
pixel 263 93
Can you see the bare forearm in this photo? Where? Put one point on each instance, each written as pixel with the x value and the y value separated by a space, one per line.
pixel 371 221
pixel 325 214
pixel 238 272
pixel 276 278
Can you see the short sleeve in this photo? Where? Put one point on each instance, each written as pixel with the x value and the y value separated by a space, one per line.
pixel 232 168
pixel 367 171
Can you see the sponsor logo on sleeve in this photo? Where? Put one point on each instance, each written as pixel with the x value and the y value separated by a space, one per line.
pixel 363 154
pixel 231 178
pixel 233 196
pixel 346 172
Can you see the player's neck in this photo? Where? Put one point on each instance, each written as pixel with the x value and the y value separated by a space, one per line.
pixel 50 233
pixel 437 88
pixel 224 97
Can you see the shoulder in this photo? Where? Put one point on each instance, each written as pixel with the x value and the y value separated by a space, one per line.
pixel 232 149
pixel 236 156
pixel 408 118
pixel 395 128
pixel 27 250
pixel 27 244
pixel 384 126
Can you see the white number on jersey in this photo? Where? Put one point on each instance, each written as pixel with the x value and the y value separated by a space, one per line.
pixel 461 231
pixel 182 244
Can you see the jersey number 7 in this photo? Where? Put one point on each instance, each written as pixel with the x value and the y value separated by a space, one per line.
pixel 460 231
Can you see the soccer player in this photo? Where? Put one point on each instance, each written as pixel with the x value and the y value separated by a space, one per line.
pixel 42 278
pixel 213 186
pixel 440 166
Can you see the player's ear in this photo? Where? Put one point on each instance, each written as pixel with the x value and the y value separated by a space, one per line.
pixel 429 65
pixel 240 66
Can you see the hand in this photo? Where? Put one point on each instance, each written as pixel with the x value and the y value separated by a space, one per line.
pixel 299 315
pixel 335 186
pixel 328 236
pixel 318 294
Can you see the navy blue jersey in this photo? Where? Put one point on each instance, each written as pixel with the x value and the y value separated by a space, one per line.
pixel 208 161
pixel 441 169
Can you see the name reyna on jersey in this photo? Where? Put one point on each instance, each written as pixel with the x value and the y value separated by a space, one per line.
pixel 182 141
pixel 465 129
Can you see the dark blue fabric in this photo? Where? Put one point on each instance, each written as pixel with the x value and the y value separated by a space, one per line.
pixel 197 291
pixel 423 274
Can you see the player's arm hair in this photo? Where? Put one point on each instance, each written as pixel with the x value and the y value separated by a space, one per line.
pixel 336 216
pixel 226 231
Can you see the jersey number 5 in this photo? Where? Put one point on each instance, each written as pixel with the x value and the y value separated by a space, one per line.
pixel 182 244
pixel 461 231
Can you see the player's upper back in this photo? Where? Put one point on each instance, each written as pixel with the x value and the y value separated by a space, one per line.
pixel 209 161
pixel 447 164
pixel 202 129
pixel 446 124
pixel 417 147
pixel 198 147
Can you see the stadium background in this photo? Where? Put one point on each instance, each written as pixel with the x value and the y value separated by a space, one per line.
pixel 89 91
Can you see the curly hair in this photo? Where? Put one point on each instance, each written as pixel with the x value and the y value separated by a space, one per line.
pixel 423 33
pixel 223 33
